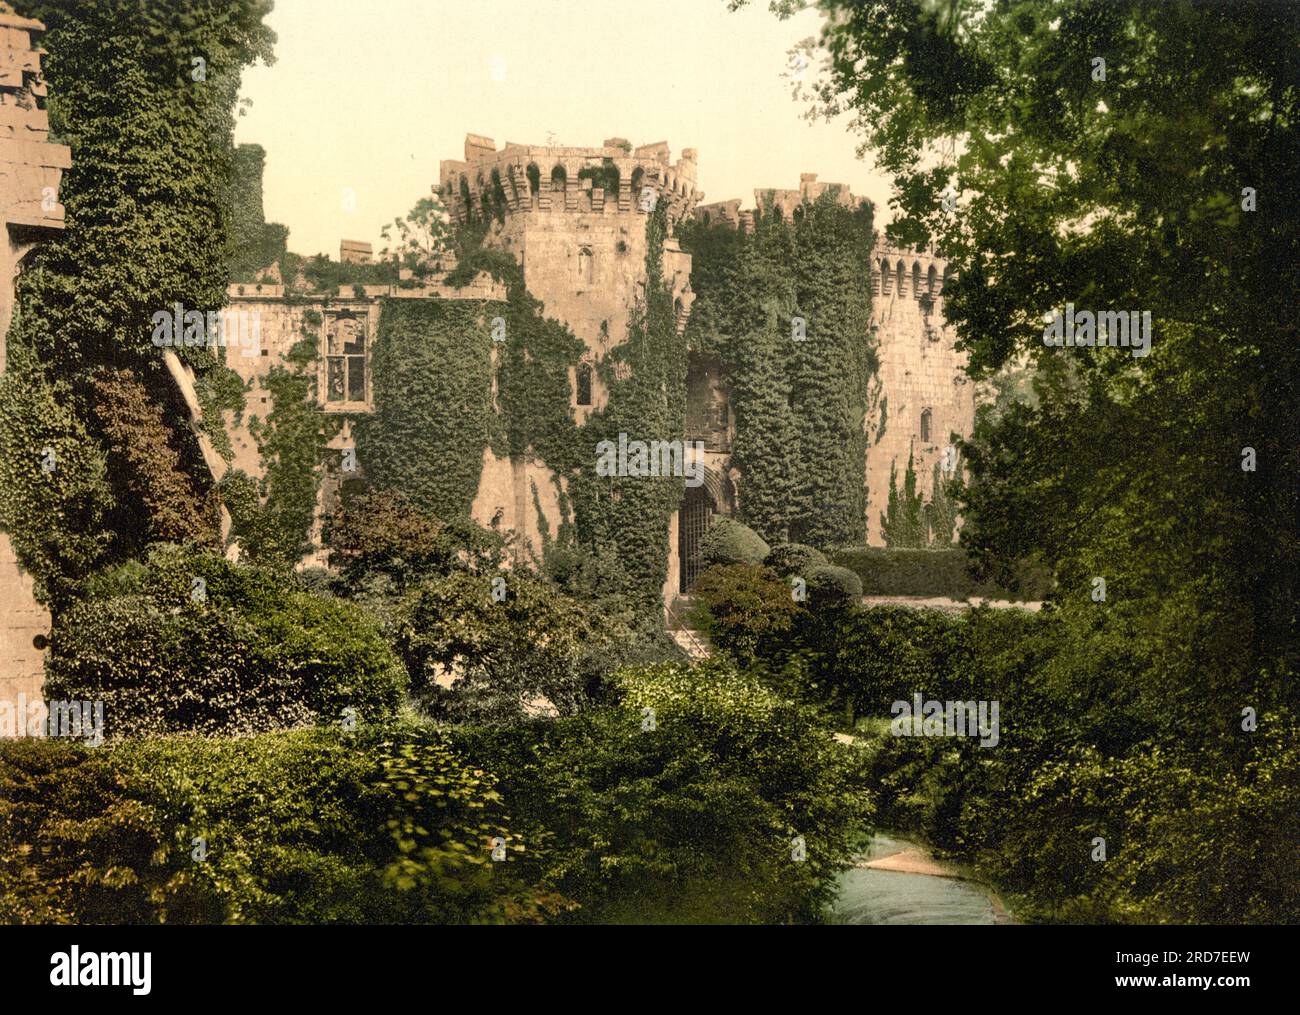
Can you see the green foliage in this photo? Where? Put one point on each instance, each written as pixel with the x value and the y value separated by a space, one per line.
pixel 788 559
pixel 743 608
pixel 383 826
pixel 498 655
pixel 902 525
pixel 730 542
pixel 829 585
pixel 646 377
pixel 799 404
pixel 253 652
pixel 54 518
pixel 421 240
pixel 911 572
pixel 255 244
pixel 690 822
pixel 273 526
pixel 147 223
pixel 382 534
pixel 433 414
pixel 604 176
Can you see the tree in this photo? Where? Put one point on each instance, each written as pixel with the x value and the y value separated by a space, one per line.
pixel 418 242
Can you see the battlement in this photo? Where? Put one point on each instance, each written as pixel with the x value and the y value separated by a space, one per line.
pixel 522 179
pixel 903 272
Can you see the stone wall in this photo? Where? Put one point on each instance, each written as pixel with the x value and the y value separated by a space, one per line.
pixel 921 372
pixel 30 171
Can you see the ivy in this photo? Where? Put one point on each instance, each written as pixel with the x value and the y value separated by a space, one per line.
pixel 629 516
pixel 433 415
pixel 787 308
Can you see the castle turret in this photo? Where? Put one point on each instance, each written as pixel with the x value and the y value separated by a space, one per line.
pixel 575 220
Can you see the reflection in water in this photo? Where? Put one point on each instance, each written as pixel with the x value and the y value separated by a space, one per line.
pixel 876 896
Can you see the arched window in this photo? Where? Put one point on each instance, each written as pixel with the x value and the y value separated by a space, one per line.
pixel 932 281
pixel 925 426
pixel 885 270
pixel 901 280
pixel 559 178
pixel 947 277
pixel 583 384
pixel 534 177
pixel 916 280
pixel 586 265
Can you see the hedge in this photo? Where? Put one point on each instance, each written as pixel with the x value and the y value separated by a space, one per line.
pixel 306 826
pixel 888 571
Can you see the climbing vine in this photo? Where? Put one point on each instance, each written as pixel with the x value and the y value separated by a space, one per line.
pixel 433 415
pixel 787 307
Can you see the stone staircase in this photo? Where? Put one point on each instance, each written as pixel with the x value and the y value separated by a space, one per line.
pixel 691 640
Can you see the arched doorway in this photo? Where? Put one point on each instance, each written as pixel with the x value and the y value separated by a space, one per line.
pixel 693 520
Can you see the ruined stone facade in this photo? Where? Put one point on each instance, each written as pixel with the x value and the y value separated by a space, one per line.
pixel 924 399
pixel 574 220
pixel 30 170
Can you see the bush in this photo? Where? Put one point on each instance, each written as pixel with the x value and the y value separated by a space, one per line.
pixel 744 609
pixel 730 542
pixel 255 652
pixel 690 821
pixel 788 559
pixel 830 585
pixel 309 826
pixel 473 658
pixel 911 572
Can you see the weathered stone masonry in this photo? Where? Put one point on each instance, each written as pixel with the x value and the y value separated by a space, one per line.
pixel 30 171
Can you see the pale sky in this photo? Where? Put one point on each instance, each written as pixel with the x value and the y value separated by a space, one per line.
pixel 372 96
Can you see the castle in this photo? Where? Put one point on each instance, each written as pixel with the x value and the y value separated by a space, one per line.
pixel 574 220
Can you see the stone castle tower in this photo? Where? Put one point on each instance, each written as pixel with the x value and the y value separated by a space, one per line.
pixel 921 396
pixel 574 219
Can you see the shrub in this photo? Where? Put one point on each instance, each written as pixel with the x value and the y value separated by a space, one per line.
pixel 913 572
pixel 254 652
pixel 788 559
pixel 309 826
pixel 831 585
pixel 471 657
pixel 743 609
pixel 690 821
pixel 730 542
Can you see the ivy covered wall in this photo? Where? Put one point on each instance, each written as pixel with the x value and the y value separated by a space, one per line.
pixel 787 308
pixel 433 416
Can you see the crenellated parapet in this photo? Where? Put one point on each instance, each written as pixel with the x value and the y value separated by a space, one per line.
pixel 524 179
pixel 906 273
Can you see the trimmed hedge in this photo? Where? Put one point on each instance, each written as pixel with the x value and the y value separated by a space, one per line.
pixel 730 542
pixel 889 571
pixel 788 559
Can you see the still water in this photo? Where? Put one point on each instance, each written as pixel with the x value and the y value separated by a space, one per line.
pixel 878 896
